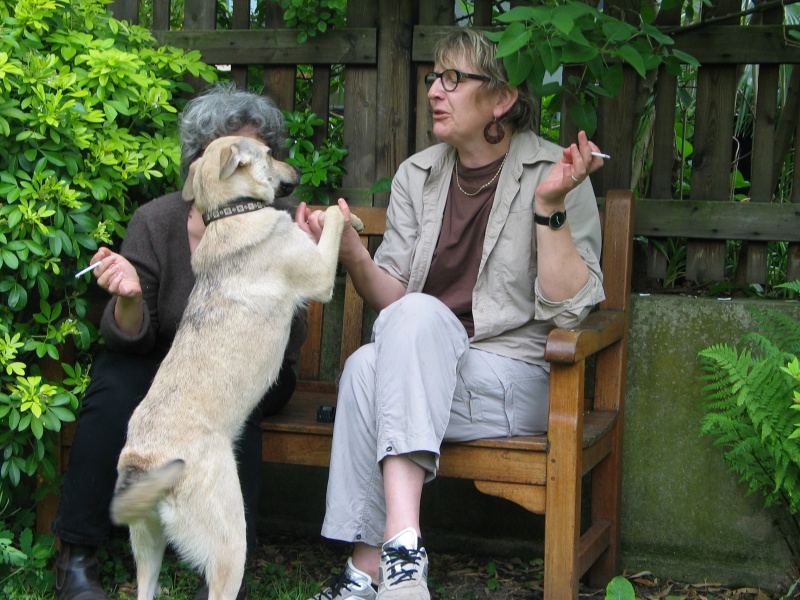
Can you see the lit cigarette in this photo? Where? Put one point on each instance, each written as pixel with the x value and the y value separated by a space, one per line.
pixel 601 155
pixel 87 269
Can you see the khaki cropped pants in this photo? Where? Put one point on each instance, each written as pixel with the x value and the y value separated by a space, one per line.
pixel 419 383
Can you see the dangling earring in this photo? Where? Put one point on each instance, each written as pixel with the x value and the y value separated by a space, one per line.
pixel 500 132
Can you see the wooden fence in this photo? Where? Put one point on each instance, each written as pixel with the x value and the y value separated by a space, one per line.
pixel 386 49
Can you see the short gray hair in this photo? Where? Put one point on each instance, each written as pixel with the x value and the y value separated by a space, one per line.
pixel 480 52
pixel 221 110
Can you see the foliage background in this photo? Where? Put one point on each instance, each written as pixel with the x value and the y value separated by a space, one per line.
pixel 88 115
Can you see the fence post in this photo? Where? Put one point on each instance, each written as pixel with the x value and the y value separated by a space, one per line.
pixel 125 10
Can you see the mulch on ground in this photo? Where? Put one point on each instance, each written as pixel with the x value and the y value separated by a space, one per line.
pixel 471 577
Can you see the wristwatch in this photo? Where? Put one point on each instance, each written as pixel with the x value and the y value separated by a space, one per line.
pixel 554 221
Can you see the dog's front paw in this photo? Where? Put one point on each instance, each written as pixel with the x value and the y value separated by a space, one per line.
pixel 357 223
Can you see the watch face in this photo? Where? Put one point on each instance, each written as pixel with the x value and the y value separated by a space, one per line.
pixel 557 219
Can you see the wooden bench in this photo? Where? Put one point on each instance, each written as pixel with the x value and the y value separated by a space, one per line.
pixel 543 474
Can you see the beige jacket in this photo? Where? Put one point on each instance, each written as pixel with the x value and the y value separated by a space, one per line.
pixel 512 317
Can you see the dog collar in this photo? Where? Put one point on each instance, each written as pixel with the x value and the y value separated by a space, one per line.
pixel 237 207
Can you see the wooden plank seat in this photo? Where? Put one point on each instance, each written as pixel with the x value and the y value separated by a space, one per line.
pixel 543 473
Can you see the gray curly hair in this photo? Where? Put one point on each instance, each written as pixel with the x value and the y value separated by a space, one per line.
pixel 221 110
pixel 480 52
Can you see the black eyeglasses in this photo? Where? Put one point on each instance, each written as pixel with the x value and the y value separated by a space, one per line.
pixel 451 78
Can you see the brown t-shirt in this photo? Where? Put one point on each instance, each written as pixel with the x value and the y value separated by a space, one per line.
pixel 457 258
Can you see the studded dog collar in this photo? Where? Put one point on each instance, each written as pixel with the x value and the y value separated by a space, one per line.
pixel 236 207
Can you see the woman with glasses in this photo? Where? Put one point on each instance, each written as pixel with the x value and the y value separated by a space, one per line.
pixel 492 239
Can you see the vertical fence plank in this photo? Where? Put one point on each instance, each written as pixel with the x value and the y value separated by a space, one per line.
pixel 199 15
pixel 762 185
pixel 754 254
pixel 615 127
pixel 240 20
pixel 394 126
pixel 320 101
pixel 790 113
pixel 482 13
pixel 569 131
pixel 125 10
pixel 663 145
pixel 161 14
pixel 793 251
pixel 716 94
pixel 279 81
pixel 434 12
pixel 360 102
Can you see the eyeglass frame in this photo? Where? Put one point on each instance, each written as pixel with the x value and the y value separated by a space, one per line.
pixel 459 76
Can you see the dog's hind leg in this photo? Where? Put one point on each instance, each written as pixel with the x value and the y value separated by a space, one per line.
pixel 228 554
pixel 148 543
pixel 206 524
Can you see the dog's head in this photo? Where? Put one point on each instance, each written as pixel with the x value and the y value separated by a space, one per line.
pixel 237 167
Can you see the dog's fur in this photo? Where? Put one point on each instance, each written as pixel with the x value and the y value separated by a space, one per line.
pixel 177 481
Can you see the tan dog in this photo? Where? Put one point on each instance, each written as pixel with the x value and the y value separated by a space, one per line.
pixel 177 481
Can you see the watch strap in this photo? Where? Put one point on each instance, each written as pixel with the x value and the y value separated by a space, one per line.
pixel 555 221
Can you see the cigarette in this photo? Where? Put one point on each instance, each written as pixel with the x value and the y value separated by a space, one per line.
pixel 601 155
pixel 87 269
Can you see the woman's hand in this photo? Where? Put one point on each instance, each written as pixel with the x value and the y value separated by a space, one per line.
pixel 116 275
pixel 313 222
pixel 576 164
pixel 119 277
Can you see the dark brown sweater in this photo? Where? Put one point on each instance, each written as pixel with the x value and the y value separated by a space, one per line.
pixel 157 245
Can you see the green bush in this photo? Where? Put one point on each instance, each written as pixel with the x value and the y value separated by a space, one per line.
pixel 312 16
pixel 321 167
pixel 88 115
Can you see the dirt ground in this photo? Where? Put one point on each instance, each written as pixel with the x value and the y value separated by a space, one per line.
pixel 470 577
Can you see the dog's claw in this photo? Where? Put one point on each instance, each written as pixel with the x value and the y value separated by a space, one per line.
pixel 357 223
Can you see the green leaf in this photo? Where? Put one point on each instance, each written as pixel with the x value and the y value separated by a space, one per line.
pixel 518 13
pixel 514 37
pixel 563 22
pixel 585 118
pixel 383 185
pixel 618 31
pixel 687 58
pixel 633 58
pixel 63 414
pixel 620 588
pixel 518 66
pixel 10 259
pixel 612 78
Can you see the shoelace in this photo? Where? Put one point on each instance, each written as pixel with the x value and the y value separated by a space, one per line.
pixel 397 558
pixel 342 582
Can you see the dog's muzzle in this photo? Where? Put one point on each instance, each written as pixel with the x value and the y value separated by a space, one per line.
pixel 285 189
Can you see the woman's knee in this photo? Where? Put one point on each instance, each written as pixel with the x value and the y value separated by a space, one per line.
pixel 358 373
pixel 419 313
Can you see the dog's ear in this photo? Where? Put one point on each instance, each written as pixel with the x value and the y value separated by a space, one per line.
pixel 231 158
pixel 188 185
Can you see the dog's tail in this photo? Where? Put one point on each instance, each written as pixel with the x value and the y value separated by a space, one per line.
pixel 139 491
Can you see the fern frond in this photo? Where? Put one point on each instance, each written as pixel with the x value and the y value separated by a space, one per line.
pixel 790 285
pixel 727 371
pixel 781 328
pixel 749 397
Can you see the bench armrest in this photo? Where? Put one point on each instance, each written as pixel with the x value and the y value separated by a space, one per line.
pixel 597 331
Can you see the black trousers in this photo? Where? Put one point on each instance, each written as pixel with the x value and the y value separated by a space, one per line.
pixel 118 383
